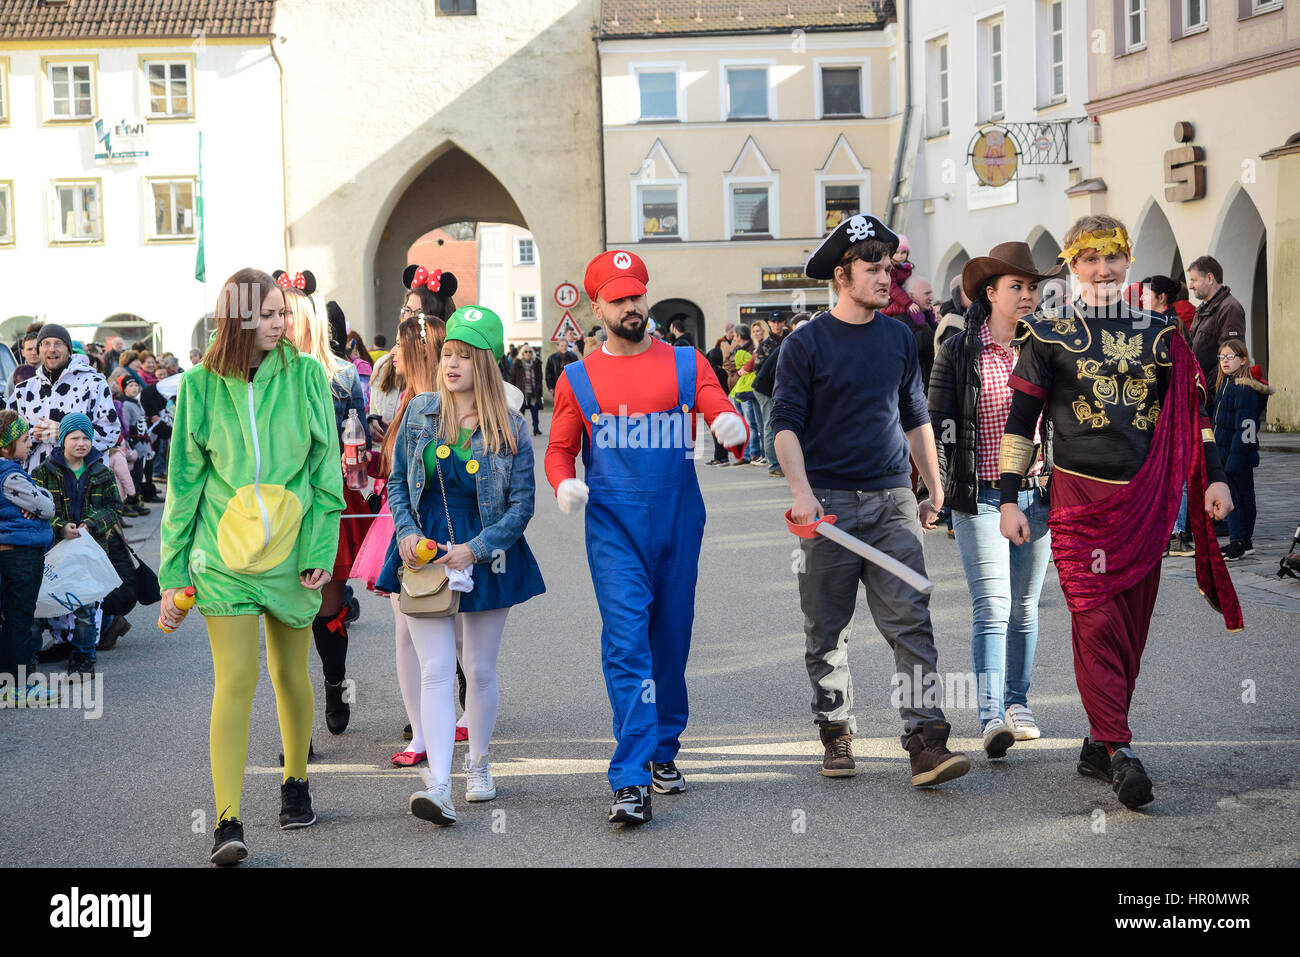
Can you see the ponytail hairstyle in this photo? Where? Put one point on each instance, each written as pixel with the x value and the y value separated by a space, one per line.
pixel 489 401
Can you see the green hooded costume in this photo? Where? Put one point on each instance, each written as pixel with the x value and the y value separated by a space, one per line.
pixel 254 489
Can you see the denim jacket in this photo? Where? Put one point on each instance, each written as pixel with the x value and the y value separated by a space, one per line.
pixel 506 487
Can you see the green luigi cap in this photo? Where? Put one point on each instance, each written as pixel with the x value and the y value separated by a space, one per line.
pixel 478 327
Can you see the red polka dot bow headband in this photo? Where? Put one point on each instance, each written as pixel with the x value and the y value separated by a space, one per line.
pixel 297 281
pixel 422 277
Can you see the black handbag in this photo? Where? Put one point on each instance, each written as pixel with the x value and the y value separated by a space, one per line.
pixel 139 581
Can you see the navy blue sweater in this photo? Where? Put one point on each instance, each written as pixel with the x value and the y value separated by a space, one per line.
pixel 849 393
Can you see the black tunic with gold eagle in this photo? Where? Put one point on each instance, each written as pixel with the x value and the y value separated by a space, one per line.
pixel 1102 373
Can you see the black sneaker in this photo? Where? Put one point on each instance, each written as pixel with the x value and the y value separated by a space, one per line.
pixel 59 651
pixel 1182 545
pixel 337 711
pixel 1094 761
pixel 1248 548
pixel 666 778
pixel 1234 551
pixel 229 847
pixel 295 805
pixel 79 666
pixel 1130 779
pixel 631 805
pixel 352 604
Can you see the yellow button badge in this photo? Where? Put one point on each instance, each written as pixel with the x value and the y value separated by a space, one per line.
pixel 443 451
pixel 471 466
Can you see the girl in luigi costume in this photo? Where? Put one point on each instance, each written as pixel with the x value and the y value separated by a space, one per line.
pixel 252 522
pixel 464 439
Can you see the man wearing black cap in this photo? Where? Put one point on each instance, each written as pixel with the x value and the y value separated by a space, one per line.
pixel 64 383
pixel 843 439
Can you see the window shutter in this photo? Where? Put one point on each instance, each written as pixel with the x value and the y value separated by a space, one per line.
pixel 1119 27
pixel 1175 19
pixel 1244 9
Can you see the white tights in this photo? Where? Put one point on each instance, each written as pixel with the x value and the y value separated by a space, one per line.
pixel 427 649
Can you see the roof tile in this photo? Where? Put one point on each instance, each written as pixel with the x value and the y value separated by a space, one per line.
pixel 640 18
pixel 106 19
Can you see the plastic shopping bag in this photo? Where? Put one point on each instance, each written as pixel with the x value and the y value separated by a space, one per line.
pixel 77 572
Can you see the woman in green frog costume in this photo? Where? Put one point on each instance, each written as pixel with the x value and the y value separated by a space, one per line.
pixel 252 522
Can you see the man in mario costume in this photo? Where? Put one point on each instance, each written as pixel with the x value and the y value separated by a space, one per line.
pixel 627 408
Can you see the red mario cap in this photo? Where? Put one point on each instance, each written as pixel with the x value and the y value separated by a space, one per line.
pixel 615 275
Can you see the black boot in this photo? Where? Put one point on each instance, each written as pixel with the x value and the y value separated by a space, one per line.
pixel 337 711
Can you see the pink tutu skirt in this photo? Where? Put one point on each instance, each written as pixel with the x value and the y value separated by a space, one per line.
pixel 370 556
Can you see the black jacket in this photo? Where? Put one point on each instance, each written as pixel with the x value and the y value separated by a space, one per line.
pixel 555 365
pixel 953 400
pixel 519 378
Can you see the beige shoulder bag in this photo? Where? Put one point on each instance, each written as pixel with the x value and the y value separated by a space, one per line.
pixel 425 593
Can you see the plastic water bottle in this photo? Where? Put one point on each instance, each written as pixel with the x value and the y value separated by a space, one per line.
pixel 354 440
pixel 426 551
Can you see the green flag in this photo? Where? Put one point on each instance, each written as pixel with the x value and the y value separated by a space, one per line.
pixel 200 268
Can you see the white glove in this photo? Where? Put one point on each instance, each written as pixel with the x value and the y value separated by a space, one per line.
pixel 729 429
pixel 571 494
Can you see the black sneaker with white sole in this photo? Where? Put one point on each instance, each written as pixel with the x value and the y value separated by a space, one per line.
pixel 666 779
pixel 229 847
pixel 631 805
pixel 295 805
pixel 1094 761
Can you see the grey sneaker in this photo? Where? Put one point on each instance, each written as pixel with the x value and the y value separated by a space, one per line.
pixel 997 738
pixel 666 779
pixel 631 805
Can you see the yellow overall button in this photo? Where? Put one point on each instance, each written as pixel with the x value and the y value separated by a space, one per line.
pixel 471 466
pixel 442 451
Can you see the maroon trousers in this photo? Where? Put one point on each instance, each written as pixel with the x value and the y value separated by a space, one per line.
pixel 1109 639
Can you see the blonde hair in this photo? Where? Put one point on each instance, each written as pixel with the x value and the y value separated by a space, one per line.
pixel 310 334
pixel 1096 223
pixel 489 401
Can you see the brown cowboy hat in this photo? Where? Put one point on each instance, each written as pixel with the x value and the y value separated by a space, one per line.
pixel 1003 259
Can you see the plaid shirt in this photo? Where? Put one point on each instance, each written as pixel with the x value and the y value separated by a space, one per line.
pixel 994 405
pixel 100 506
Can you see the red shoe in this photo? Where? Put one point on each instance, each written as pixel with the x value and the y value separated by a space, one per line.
pixel 462 734
pixel 406 759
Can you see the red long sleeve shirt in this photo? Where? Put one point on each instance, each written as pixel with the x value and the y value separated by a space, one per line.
pixel 635 385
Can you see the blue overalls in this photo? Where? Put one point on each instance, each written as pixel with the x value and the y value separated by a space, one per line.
pixel 645 522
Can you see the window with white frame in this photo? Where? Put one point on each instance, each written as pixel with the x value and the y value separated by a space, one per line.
pixel 839 202
pixel 1263 6
pixel 841 91
pixel 527 306
pixel 6 214
pixel 750 210
pixel 747 92
pixel 659 212
pixel 657 91
pixel 936 87
pixel 4 91
pixel 1135 24
pixel 70 90
pixel 1056 48
pixel 525 251
pixel 76 211
pixel 996 85
pixel 169 88
pixel 171 208
pixel 1194 15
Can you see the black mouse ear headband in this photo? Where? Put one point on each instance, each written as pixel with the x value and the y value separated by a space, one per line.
pixel 417 277
pixel 303 281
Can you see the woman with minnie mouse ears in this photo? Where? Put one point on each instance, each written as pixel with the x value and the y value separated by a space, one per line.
pixel 310 332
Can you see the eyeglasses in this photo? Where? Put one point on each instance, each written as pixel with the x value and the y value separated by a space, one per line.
pixel 409 313
pixel 1228 355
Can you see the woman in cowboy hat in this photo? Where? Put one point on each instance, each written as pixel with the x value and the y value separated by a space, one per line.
pixel 969 400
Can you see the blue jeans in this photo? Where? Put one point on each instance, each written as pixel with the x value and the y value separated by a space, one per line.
pixel 1181 524
pixel 765 424
pixel 748 409
pixel 1005 581
pixel 81 628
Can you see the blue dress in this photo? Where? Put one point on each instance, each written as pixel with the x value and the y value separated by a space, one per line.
pixel 517 577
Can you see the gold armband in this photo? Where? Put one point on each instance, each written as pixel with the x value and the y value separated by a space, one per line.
pixel 1207 435
pixel 1016 454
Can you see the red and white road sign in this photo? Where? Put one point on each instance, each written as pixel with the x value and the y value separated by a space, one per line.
pixel 567 324
pixel 566 295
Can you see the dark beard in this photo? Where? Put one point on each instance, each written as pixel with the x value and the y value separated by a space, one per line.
pixel 618 329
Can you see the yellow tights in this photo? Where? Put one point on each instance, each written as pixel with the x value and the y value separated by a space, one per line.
pixel 235 662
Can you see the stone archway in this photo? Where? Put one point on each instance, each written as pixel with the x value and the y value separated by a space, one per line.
pixel 1238 245
pixel 1155 250
pixel 1044 247
pixel 452 187
pixel 666 311
pixel 950 266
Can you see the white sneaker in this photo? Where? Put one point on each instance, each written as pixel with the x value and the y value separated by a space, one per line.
pixel 479 785
pixel 434 803
pixel 997 738
pixel 1021 722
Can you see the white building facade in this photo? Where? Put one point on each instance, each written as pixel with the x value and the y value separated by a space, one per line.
pixel 99 174
pixel 509 281
pixel 975 65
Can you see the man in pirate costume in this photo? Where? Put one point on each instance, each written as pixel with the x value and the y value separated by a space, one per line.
pixel 1126 400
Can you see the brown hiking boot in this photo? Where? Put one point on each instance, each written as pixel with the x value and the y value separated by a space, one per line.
pixel 838 741
pixel 932 762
